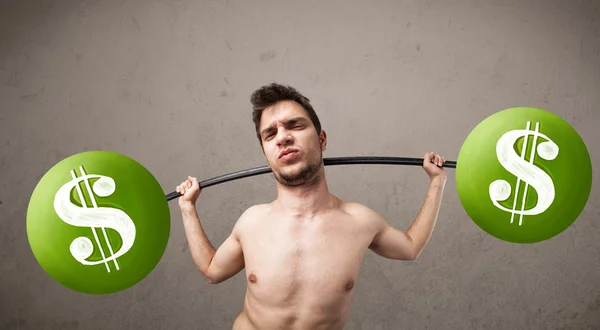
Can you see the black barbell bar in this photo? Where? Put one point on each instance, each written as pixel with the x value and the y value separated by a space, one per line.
pixel 326 161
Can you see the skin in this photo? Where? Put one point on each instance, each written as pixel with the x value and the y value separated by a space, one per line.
pixel 303 251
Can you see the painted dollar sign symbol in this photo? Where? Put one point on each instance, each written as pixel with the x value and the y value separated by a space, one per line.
pixel 500 190
pixel 95 217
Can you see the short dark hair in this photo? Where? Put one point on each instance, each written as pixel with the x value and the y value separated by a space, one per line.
pixel 272 93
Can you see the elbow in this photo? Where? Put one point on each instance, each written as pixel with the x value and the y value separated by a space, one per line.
pixel 208 276
pixel 212 279
pixel 407 257
pixel 215 277
pixel 416 252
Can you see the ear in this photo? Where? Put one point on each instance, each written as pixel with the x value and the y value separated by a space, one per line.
pixel 323 140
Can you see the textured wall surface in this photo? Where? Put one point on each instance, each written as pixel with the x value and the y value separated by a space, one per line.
pixel 168 84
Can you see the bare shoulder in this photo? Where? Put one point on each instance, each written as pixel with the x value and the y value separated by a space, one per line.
pixel 364 215
pixel 385 240
pixel 249 217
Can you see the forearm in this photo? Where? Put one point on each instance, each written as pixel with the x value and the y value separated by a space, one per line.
pixel 200 247
pixel 421 229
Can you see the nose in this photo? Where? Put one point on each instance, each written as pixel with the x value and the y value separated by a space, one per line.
pixel 283 137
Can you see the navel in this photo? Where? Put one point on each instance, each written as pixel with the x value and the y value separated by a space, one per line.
pixel 252 278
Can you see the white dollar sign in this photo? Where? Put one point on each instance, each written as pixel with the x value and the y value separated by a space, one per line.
pixel 524 170
pixel 95 217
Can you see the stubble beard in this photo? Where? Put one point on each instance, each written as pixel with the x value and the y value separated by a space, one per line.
pixel 300 176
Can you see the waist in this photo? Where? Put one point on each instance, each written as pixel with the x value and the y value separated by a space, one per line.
pixel 297 315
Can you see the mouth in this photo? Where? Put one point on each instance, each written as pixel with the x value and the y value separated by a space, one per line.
pixel 288 155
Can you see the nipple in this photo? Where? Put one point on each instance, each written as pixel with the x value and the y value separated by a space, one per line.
pixel 252 278
pixel 349 285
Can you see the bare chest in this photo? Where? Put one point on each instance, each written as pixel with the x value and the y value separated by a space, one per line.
pixel 290 260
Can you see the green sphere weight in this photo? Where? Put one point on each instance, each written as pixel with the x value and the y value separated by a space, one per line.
pixel 98 222
pixel 523 175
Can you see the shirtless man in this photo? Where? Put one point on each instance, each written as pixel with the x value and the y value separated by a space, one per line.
pixel 301 252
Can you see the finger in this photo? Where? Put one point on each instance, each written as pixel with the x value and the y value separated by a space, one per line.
pixel 183 188
pixel 427 158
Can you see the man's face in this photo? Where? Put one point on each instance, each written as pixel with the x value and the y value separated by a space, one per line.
pixel 286 125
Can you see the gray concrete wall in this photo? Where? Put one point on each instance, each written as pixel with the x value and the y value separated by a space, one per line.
pixel 168 83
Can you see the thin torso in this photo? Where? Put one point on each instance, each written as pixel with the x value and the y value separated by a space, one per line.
pixel 301 272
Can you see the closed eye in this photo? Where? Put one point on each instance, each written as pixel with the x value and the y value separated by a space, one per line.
pixel 297 123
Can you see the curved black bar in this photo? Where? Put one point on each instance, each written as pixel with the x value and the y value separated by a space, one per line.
pixel 326 161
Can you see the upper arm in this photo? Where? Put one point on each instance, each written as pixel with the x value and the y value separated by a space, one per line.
pixel 388 241
pixel 229 257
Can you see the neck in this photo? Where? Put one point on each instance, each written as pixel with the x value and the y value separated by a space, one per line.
pixel 307 200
